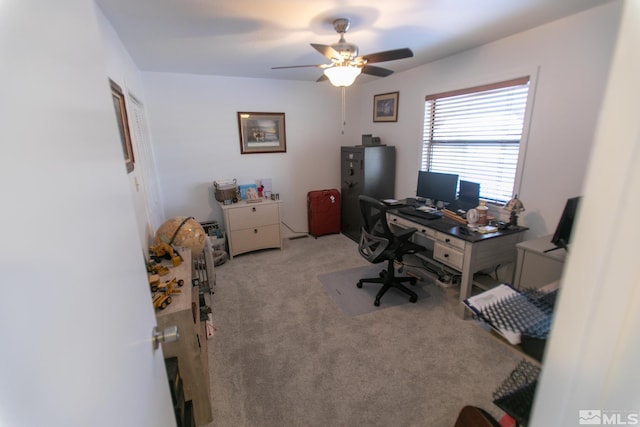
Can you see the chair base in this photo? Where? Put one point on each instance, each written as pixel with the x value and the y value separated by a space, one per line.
pixel 389 280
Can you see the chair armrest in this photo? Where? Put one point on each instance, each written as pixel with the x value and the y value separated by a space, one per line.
pixel 405 234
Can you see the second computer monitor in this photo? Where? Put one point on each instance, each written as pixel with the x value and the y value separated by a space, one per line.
pixel 437 186
pixel 469 193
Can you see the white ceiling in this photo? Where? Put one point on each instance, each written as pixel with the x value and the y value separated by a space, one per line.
pixel 245 38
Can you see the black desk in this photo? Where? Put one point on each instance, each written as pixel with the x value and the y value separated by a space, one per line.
pixel 467 253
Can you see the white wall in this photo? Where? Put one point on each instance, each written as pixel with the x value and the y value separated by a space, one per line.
pixel 194 124
pixel 573 55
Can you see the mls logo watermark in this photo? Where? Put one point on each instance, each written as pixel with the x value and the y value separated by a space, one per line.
pixel 599 417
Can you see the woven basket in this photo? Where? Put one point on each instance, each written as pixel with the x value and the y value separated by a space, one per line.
pixel 225 191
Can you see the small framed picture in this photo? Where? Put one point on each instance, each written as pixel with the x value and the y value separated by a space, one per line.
pixel 262 133
pixel 385 107
pixel 123 124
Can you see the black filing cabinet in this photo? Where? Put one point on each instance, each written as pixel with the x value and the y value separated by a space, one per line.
pixel 364 170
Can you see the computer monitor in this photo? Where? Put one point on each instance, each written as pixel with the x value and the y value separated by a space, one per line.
pixel 469 193
pixel 563 231
pixel 437 186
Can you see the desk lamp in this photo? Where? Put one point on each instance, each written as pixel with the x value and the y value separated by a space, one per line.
pixel 514 206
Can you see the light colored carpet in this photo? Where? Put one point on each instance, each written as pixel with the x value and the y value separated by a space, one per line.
pixel 354 301
pixel 284 353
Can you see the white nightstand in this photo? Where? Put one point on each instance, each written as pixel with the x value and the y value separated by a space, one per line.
pixel 536 266
pixel 252 226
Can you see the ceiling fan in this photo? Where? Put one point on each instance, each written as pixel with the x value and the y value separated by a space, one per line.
pixel 345 64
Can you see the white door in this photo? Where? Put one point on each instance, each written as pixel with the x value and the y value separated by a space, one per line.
pixel 75 311
pixel 143 180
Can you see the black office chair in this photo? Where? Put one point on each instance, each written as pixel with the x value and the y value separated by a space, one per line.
pixel 378 243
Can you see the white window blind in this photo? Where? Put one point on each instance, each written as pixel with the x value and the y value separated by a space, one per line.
pixel 476 134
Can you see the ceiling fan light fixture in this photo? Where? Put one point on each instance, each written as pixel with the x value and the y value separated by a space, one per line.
pixel 345 64
pixel 342 76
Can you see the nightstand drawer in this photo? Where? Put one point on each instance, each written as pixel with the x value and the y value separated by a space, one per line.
pixel 448 255
pixel 253 215
pixel 251 239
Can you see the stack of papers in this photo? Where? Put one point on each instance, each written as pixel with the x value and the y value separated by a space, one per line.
pixel 483 229
pixel 426 209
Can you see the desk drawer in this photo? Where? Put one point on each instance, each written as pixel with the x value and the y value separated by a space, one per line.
pixel 449 240
pixel 448 255
pixel 404 223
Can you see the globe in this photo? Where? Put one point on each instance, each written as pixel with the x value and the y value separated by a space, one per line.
pixel 182 231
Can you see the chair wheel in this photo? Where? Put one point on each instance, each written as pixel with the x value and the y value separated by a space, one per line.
pixel 376 302
pixel 413 281
pixel 413 299
pixel 359 284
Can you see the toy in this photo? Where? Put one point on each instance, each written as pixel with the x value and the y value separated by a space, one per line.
pixel 164 251
pixel 159 269
pixel 163 291
pixel 154 281
pixel 161 301
pixel 168 287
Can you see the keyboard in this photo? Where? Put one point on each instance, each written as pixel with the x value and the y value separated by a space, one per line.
pixel 419 213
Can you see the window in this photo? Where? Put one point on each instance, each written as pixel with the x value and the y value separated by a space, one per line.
pixel 476 134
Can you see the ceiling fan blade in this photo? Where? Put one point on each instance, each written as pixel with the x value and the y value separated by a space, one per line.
pixel 322 78
pixel 298 66
pixel 327 51
pixel 376 71
pixel 388 55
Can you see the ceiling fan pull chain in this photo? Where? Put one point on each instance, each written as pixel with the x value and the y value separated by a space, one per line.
pixel 344 108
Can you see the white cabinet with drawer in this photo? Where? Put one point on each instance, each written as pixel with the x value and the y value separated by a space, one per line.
pixel 539 263
pixel 252 226
pixel 447 249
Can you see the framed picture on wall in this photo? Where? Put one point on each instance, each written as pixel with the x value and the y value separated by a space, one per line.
pixel 385 107
pixel 262 133
pixel 123 124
